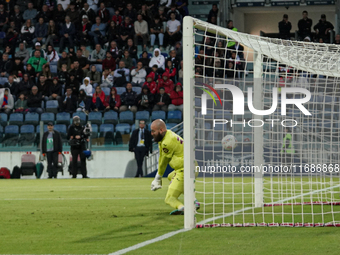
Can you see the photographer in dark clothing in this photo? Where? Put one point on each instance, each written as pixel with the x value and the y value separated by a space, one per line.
pixel 77 139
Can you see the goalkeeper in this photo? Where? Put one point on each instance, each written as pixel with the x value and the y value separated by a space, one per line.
pixel 171 151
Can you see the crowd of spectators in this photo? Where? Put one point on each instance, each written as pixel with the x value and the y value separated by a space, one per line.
pixel 79 52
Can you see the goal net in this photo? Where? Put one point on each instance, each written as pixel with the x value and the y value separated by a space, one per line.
pixel 278 101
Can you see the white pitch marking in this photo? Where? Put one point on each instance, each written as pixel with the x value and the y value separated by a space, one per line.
pixel 145 243
pixel 170 234
pixel 80 198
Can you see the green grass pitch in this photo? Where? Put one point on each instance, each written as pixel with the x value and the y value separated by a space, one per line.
pixel 100 216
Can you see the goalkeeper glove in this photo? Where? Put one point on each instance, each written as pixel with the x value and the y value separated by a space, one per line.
pixel 156 183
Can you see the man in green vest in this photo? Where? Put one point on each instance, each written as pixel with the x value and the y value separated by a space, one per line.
pixel 37 61
pixel 287 151
pixel 230 25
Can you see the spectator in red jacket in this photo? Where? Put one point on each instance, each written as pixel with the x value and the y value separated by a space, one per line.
pixel 166 83
pixel 117 18
pixel 113 100
pixel 171 70
pixel 151 84
pixel 109 62
pixel 176 98
pixel 98 100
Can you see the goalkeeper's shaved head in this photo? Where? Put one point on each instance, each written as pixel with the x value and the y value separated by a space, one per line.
pixel 158 130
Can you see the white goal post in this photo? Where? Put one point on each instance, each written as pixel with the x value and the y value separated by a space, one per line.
pixel 283 171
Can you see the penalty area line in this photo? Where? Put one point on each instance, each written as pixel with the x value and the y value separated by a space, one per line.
pixel 151 241
pixel 168 235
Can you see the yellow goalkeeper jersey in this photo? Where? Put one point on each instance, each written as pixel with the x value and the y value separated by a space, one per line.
pixel 171 151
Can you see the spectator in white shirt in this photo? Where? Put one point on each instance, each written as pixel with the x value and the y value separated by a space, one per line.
pixel 173 30
pixel 87 87
pixel 138 75
pixel 157 59
pixel 107 79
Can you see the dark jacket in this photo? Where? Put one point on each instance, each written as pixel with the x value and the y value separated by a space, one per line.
pixel 165 99
pixel 25 87
pixel 45 89
pixel 128 98
pixel 34 101
pixel 55 89
pixel 145 96
pixel 6 66
pixel 70 104
pixel 305 27
pixel 74 131
pixel 322 27
pixel 14 88
pixel 147 140
pixel 57 142
pixel 284 29
pixel 70 31
pixel 126 29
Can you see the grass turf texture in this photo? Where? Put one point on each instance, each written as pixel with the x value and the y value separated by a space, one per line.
pixel 99 216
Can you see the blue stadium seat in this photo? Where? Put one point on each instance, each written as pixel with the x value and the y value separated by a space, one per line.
pixel 3 119
pixel 99 68
pixel 95 117
pixel 106 128
pixel 94 133
pixel 120 90
pixel 52 106
pixel 170 125
pixel 158 115
pixel 138 90
pixel 174 116
pixel 47 117
pixel 82 117
pixel 197 101
pixel 222 115
pixel 106 131
pixel 16 119
pixel 110 117
pixel 37 129
pixel 53 68
pixel 63 118
pixel 11 136
pixel 3 80
pixel 1 133
pixel 106 91
pixel 165 55
pixel 26 129
pixel 123 128
pixel 12 129
pixel 32 118
pixel 126 117
pixel 143 115
pixel 61 128
pixel 27 135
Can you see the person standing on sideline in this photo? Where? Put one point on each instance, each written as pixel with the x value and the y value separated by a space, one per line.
pixel 77 139
pixel 140 144
pixel 52 146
